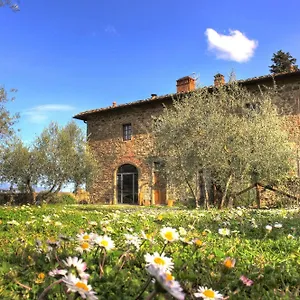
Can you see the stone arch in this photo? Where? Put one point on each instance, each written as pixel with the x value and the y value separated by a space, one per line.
pixel 127 184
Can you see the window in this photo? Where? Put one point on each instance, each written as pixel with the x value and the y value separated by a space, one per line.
pixel 127 132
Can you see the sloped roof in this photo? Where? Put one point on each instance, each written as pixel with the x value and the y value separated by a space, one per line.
pixel 83 115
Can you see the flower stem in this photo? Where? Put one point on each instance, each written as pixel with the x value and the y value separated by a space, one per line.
pixel 143 289
pixel 46 290
pixel 163 249
pixel 102 263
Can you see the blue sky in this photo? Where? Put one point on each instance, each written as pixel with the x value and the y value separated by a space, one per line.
pixel 65 57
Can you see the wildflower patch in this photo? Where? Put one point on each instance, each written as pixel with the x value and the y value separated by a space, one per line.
pixel 126 252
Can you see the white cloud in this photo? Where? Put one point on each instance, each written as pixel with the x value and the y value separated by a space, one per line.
pixel 235 46
pixel 110 29
pixel 39 114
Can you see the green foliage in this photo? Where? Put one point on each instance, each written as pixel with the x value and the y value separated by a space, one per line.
pixel 57 157
pixel 226 136
pixel 269 258
pixel 64 155
pixel 20 165
pixel 61 199
pixel 6 119
pixel 283 62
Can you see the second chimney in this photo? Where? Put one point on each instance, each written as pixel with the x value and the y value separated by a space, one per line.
pixel 186 84
pixel 219 80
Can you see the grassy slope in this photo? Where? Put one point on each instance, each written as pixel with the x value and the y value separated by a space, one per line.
pixel 270 259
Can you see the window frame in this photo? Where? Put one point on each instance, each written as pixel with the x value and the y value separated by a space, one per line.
pixel 127 132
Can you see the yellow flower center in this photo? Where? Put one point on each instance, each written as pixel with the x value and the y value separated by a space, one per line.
pixel 104 243
pixel 41 276
pixel 160 217
pixel 159 261
pixel 169 235
pixel 148 236
pixel 209 294
pixel 198 242
pixel 82 285
pixel 228 263
pixel 86 237
pixel 169 277
pixel 84 245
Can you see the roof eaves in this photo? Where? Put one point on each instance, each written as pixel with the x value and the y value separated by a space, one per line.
pixel 83 115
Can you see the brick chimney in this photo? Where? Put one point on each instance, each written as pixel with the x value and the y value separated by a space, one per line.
pixel 185 84
pixel 219 80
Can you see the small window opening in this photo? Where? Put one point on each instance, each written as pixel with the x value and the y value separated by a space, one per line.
pixel 127 132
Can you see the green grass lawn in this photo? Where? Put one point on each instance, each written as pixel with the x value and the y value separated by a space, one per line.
pixel 213 249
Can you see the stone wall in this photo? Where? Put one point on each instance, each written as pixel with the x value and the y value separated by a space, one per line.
pixel 288 97
pixel 105 135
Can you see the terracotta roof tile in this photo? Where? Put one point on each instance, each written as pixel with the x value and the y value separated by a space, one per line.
pixel 83 115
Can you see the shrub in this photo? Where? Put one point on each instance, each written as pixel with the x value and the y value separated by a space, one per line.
pixel 61 199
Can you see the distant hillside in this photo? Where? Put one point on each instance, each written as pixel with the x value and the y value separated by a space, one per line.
pixel 5 187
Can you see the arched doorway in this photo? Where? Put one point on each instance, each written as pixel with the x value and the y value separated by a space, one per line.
pixel 127 184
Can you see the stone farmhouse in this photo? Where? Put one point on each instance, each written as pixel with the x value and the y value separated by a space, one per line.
pixel 120 137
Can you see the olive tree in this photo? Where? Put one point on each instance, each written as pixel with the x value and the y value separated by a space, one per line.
pixel 20 166
pixel 7 120
pixel 59 156
pixel 65 157
pixel 222 137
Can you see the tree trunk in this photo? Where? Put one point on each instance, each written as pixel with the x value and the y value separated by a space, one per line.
pixel 225 192
pixel 76 188
pixel 31 191
pixel 190 187
pixel 44 195
pixel 203 189
pixel 258 200
pixel 187 182
pixel 205 192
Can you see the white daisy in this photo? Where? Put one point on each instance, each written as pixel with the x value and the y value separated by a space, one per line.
pixel 229 263
pixel 166 281
pixel 84 237
pixel 56 272
pixel 169 234
pixel 105 242
pixel 147 236
pixel 224 231
pixel 78 264
pixel 182 231
pixel 84 247
pixel 133 239
pixel 268 228
pixel 160 261
pixel 278 225
pixel 46 219
pixel 13 222
pixel 186 240
pixel 80 286
pixel 207 294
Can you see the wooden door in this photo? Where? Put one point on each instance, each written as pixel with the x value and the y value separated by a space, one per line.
pixel 159 190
